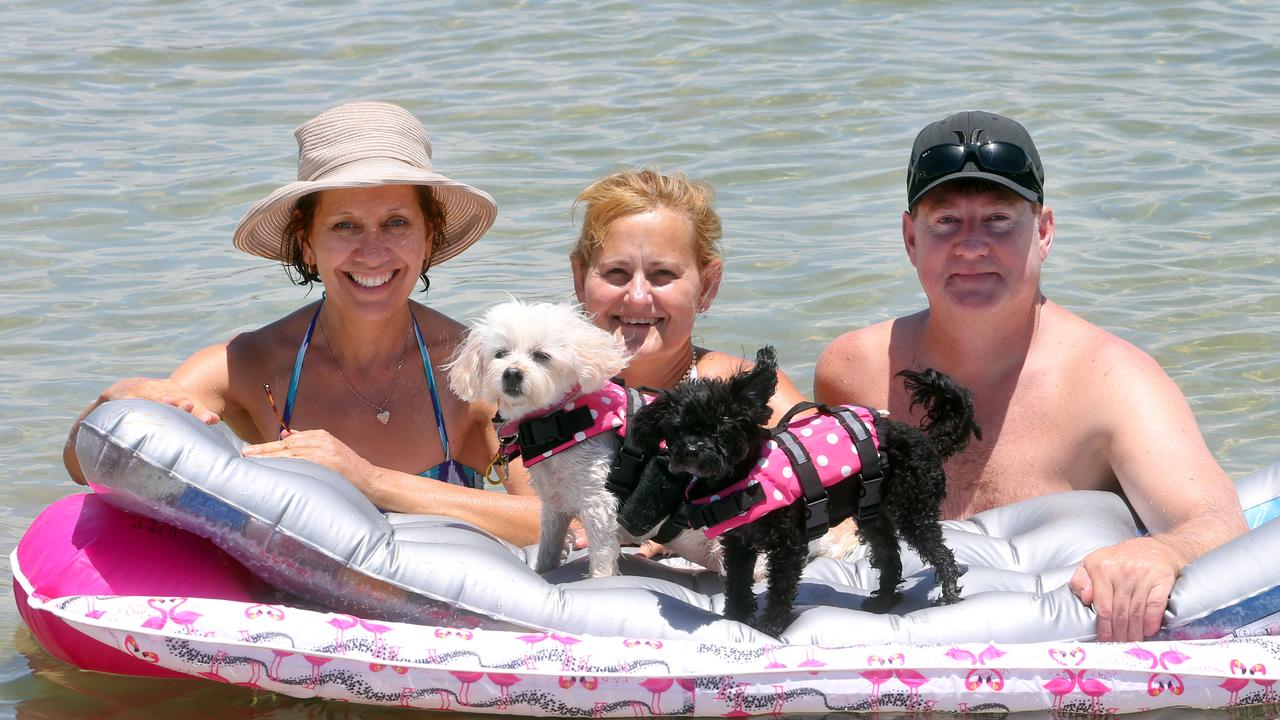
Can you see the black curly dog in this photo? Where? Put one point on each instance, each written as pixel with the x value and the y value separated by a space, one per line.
pixel 714 432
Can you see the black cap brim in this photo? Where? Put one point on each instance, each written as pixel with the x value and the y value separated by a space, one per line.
pixel 976 174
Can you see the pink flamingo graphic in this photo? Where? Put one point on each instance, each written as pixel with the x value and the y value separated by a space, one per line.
pixel 567 641
pixel 406 697
pixel 444 699
pixel 1072 657
pixel 504 681
pixel 1260 669
pixel 131 645
pixel 1158 683
pixel 185 618
pixel 253 612
pixel 273 672
pixel 342 623
pixel 465 678
pixel 771 652
pixel 1061 687
pixel 1163 660
pixel 158 621
pixel 810 661
pixel 588 682
pixel 779 701
pixel 377 630
pixel 1095 689
pixel 1268 695
pixel 255 674
pixel 1234 684
pixel 92 612
pixel 739 695
pixel 879 677
pixel 316 661
pixel 978 677
pixel 913 680
pixel 656 686
pixel 215 667
pixel 530 641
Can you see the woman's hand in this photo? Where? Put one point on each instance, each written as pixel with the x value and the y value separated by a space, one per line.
pixel 161 391
pixel 158 390
pixel 321 448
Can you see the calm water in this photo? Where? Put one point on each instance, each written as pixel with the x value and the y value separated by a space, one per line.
pixel 135 134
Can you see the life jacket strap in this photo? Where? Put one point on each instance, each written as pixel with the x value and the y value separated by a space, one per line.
pixel 718 511
pixel 624 472
pixel 538 435
pixel 817 514
pixel 872 472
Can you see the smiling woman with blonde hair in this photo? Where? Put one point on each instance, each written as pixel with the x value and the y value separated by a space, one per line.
pixel 647 262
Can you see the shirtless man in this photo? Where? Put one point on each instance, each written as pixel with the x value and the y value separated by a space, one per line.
pixel 1063 404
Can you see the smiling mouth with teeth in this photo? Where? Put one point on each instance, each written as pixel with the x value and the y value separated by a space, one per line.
pixel 372 281
pixel 637 321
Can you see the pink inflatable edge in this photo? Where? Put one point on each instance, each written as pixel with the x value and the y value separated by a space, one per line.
pixel 79 545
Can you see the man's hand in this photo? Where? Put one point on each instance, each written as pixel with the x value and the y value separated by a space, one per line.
pixel 1128 585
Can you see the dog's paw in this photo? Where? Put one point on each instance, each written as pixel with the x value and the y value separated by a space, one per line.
pixel 949 596
pixel 881 603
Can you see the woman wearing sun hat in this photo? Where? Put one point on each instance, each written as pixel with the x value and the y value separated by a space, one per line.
pixel 350 381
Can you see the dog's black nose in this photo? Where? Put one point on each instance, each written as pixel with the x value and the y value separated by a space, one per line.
pixel 513 381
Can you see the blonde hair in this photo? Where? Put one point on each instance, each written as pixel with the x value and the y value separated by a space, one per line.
pixel 632 192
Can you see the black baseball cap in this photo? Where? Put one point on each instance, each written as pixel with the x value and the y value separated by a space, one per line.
pixel 975 144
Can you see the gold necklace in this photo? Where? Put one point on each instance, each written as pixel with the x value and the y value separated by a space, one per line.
pixel 384 415
pixel 693 368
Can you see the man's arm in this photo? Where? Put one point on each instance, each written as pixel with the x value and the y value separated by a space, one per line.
pixel 1168 475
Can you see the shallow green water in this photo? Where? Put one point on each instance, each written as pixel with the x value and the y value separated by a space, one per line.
pixel 135 134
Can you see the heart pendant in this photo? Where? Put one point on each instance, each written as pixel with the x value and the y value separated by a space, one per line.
pixel 384 417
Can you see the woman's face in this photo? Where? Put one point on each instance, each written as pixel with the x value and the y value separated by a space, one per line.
pixel 644 285
pixel 368 244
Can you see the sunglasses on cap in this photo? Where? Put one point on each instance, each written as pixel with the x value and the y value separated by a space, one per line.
pixel 999 158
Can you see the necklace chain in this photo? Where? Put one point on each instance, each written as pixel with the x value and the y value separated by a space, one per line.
pixel 693 367
pixel 383 416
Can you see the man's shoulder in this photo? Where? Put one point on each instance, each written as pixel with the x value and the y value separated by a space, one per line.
pixel 1098 355
pixel 871 341
pixel 855 365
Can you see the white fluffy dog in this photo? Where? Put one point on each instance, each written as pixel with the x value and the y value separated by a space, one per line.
pixel 531 359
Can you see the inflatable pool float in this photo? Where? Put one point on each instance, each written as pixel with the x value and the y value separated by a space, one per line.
pixel 147 575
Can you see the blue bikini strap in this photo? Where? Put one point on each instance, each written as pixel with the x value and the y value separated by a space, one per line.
pixel 297 365
pixel 431 385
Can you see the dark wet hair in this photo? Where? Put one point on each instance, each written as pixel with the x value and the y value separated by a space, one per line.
pixel 295 234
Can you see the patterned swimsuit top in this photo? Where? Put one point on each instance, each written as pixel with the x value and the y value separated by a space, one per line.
pixel 450 471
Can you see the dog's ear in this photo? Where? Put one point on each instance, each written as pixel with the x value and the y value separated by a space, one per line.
pixel 466 367
pixel 645 427
pixel 599 355
pixel 755 387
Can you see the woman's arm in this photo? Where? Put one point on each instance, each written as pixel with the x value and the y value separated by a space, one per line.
pixel 514 518
pixel 196 386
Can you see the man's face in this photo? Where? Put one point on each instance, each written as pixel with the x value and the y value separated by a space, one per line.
pixel 977 250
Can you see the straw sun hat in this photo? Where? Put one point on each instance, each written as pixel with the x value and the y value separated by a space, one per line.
pixel 362 144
